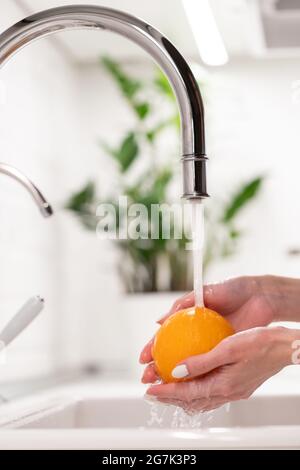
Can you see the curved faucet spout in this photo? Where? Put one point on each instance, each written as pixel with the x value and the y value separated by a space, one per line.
pixel 152 41
pixel 37 196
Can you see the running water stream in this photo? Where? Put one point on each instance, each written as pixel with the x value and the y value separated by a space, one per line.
pixel 185 418
pixel 198 244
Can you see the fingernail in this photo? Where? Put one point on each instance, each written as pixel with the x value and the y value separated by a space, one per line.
pixel 162 318
pixel 150 398
pixel 180 371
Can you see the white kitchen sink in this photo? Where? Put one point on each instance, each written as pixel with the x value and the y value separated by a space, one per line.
pixel 102 416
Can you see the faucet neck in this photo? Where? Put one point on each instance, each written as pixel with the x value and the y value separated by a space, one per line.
pixel 152 41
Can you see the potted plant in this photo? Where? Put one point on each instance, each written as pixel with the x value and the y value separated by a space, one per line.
pixel 141 261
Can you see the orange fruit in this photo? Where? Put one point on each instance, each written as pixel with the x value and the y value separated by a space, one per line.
pixel 187 333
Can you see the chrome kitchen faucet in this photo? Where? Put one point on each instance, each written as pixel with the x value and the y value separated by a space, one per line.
pixel 37 196
pixel 152 41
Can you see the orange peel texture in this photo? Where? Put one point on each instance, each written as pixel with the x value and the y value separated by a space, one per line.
pixel 186 333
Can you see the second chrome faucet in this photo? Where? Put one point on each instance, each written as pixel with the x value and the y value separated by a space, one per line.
pixel 42 203
pixel 35 304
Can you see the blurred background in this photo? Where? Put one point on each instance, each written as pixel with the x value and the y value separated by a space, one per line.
pixel 89 117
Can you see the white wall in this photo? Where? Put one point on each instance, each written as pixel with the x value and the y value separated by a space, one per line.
pixel 39 134
pixel 255 130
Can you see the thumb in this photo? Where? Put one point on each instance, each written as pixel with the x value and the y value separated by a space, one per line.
pixel 227 296
pixel 203 363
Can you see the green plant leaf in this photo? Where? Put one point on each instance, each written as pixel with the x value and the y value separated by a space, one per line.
pixel 126 153
pixel 142 109
pixel 82 198
pixel 234 234
pixel 142 257
pixel 128 86
pixel 241 198
pixel 161 183
pixel 154 192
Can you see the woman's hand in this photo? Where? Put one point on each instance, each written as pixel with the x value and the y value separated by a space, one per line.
pixel 242 362
pixel 233 370
pixel 247 302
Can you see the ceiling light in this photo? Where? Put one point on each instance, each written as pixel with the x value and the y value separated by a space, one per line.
pixel 208 38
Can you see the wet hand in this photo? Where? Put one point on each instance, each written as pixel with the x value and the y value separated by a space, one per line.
pixel 233 370
pixel 246 302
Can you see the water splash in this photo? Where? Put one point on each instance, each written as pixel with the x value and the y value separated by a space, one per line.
pixel 157 413
pixel 190 420
pixel 179 418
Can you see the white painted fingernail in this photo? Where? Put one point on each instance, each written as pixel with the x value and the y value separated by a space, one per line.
pixel 180 371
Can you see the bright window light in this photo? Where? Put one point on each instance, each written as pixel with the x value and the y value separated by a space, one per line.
pixel 208 38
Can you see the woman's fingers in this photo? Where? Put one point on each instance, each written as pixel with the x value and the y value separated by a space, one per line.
pixel 146 354
pixel 186 301
pixel 224 297
pixel 195 406
pixel 201 364
pixel 204 366
pixel 150 375
pixel 172 391
pixel 228 296
pixel 193 366
pixel 182 391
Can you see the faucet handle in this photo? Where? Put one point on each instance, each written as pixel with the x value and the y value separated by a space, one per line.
pixel 21 320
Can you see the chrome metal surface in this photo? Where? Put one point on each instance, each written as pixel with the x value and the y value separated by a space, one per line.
pixel 152 41
pixel 39 199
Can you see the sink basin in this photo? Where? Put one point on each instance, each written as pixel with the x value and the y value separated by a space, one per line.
pixel 106 413
pixel 96 416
